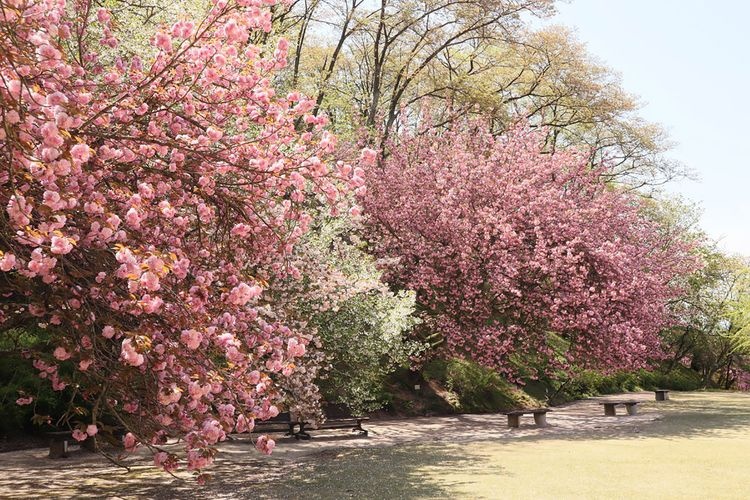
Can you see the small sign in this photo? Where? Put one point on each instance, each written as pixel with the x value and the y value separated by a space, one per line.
pixel 417 387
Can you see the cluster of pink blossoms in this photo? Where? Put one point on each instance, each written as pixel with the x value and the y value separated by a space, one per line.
pixel 507 245
pixel 147 203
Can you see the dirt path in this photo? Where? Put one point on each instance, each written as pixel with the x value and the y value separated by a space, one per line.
pixel 242 472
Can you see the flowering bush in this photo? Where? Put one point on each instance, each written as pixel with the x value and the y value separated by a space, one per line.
pixel 148 202
pixel 361 327
pixel 510 249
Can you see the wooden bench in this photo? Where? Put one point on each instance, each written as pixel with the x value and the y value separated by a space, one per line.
pixel 540 416
pixel 59 440
pixel 662 394
pixel 630 406
pixel 280 423
pixel 337 416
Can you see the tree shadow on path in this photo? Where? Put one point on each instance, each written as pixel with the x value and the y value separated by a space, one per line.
pixel 417 454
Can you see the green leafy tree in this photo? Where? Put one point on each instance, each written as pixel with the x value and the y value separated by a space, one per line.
pixel 714 336
pixel 362 327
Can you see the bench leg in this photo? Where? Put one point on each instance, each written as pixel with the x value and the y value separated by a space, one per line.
pixel 90 444
pixel 514 420
pixel 359 429
pixel 632 409
pixel 58 449
pixel 540 419
pixel 302 433
pixel 609 410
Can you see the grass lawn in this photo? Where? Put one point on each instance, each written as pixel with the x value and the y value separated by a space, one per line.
pixel 700 449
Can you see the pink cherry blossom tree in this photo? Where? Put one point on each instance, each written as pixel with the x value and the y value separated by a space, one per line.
pixel 520 257
pixel 147 201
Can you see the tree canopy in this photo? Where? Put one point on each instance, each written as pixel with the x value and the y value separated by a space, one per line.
pixel 215 211
pixel 507 245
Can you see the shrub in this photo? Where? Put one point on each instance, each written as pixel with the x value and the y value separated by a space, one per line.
pixel 19 378
pixel 477 388
pixel 361 326
pixel 680 379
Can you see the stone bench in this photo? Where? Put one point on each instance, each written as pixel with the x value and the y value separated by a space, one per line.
pixel 662 394
pixel 630 406
pixel 540 416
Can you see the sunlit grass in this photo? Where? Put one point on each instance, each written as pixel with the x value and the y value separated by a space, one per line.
pixel 678 457
pixel 699 449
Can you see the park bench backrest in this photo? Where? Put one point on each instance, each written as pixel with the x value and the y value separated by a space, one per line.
pixel 281 417
pixel 337 410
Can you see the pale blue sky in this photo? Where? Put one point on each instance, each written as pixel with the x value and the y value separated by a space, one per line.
pixel 689 61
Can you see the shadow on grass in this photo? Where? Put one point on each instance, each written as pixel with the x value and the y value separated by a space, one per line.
pixel 404 471
pixel 407 470
pixel 686 415
pixel 393 472
pixel 84 477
